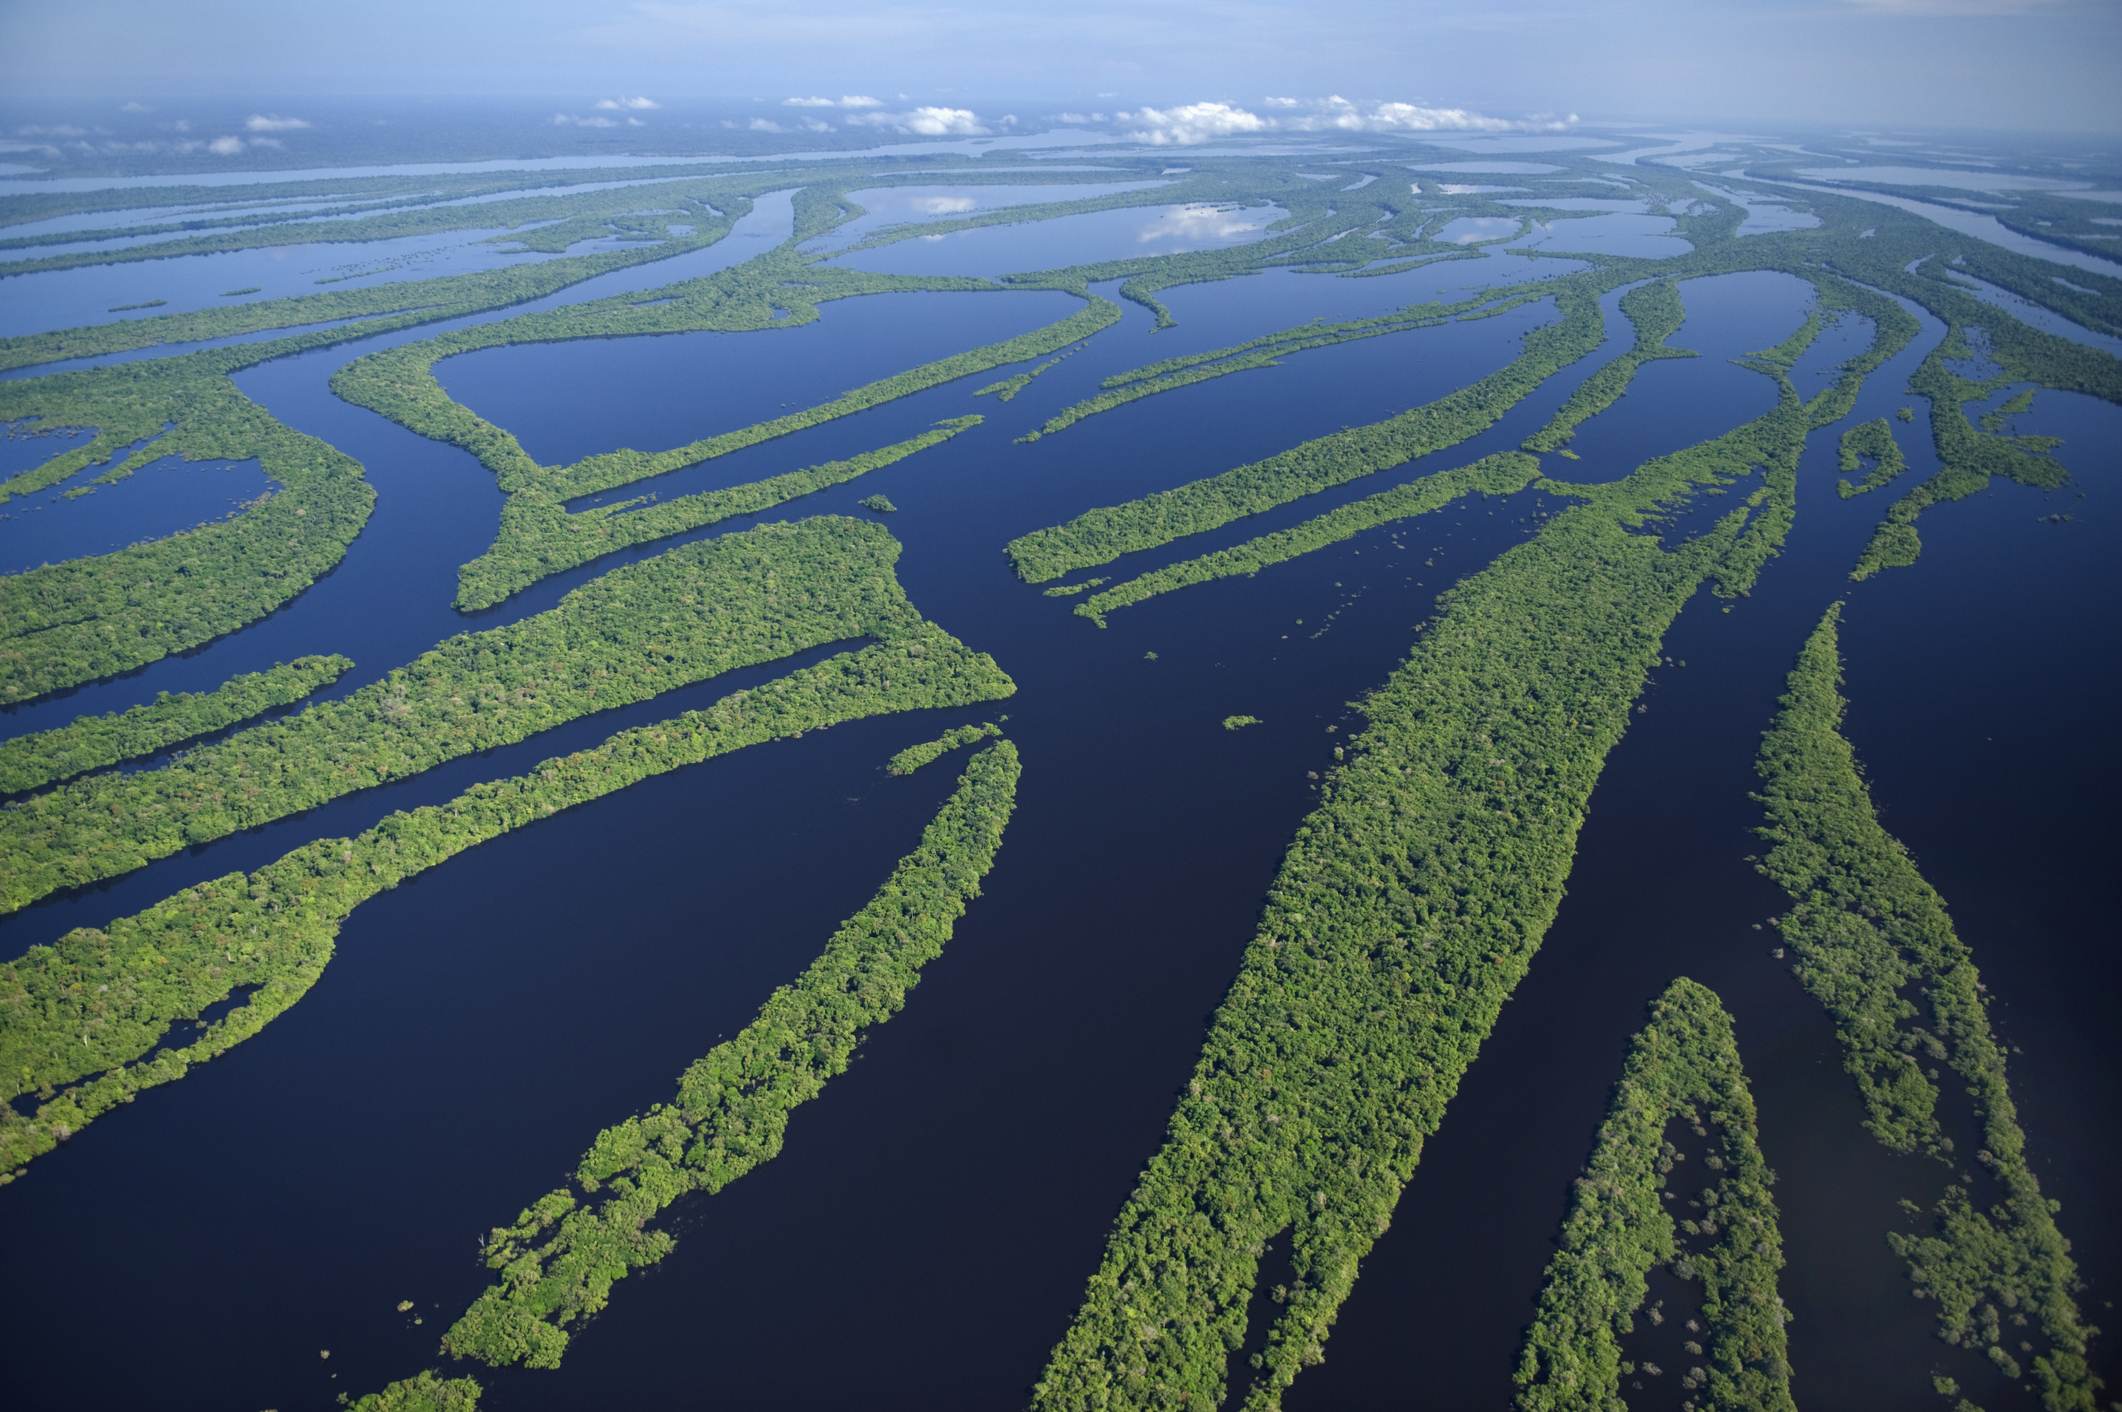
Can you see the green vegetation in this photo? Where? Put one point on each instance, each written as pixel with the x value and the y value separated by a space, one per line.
pixel 1967 457
pixel 1683 1068
pixel 91 742
pixel 929 751
pixel 1869 447
pixel 1007 388
pixel 1502 474
pixel 67 623
pixel 143 304
pixel 86 1024
pixel 74 622
pixel 544 538
pixel 1656 313
pixel 1267 351
pixel 551 224
pixel 639 631
pixel 1998 419
pixel 1103 535
pixel 400 384
pixel 558 1261
pixel 1894 328
pixel 386 306
pixel 239 293
pixel 879 504
pixel 1876 948
pixel 422 1393
pixel 1406 911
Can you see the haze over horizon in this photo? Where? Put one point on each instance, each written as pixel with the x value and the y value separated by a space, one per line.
pixel 1986 64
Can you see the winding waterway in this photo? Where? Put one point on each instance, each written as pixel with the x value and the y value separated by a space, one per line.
pixel 938 1210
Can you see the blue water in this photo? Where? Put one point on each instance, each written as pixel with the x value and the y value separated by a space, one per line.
pixel 479 1024
pixel 1473 230
pixel 89 224
pixel 92 294
pixel 559 398
pixel 1035 142
pixel 1764 217
pixel 2033 315
pixel 1616 233
pixel 1661 887
pixel 159 499
pixel 1070 240
pixel 1490 168
pixel 1618 204
pixel 1676 402
pixel 1977 225
pixel 894 205
pixel 24 445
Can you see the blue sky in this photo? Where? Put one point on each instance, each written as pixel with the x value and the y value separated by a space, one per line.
pixel 2041 64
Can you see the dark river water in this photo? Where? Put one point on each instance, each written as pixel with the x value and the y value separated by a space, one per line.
pixel 924 1237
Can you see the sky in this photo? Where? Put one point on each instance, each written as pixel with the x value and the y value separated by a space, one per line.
pixel 1994 64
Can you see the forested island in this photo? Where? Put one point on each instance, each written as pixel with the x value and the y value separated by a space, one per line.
pixel 644 553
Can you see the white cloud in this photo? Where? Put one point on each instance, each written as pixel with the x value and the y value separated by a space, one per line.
pixel 944 122
pixel 273 122
pixel 96 142
pixel 1204 122
pixel 1195 122
pixel 944 205
pixel 1338 114
pixel 765 125
pixel 51 130
pixel 813 125
pixel 1198 223
pixel 926 122
pixel 615 105
pixel 135 106
pixel 850 100
pixel 569 120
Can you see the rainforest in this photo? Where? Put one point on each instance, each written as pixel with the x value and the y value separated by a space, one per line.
pixel 816 753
